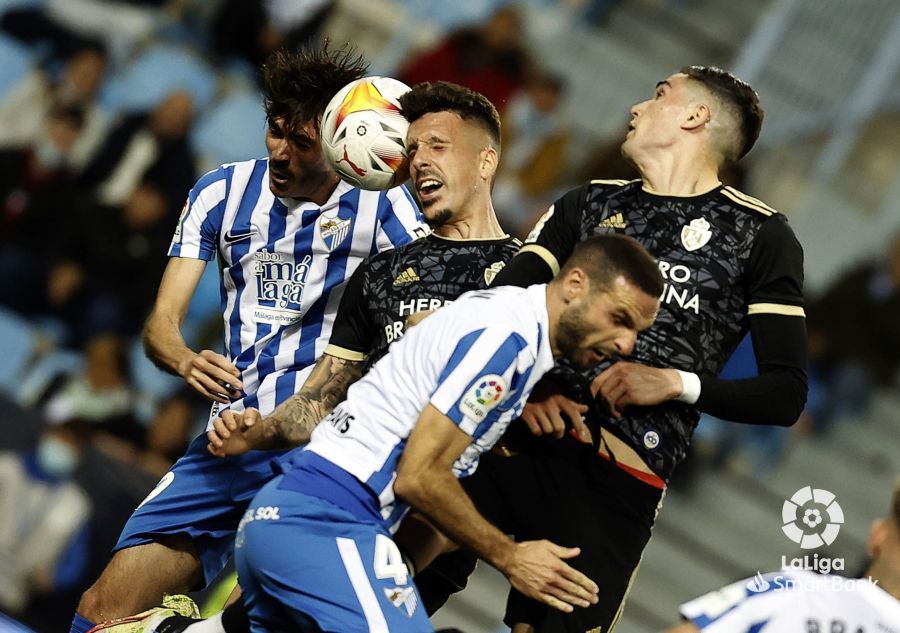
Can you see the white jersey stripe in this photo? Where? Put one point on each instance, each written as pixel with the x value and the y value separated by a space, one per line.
pixel 362 587
pixel 284 265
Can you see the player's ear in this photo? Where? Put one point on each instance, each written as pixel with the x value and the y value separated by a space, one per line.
pixel 576 284
pixel 697 115
pixel 487 165
pixel 877 534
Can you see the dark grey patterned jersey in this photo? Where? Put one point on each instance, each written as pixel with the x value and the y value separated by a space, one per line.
pixel 724 255
pixel 423 275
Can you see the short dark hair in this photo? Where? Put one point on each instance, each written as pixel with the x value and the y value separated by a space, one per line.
pixel 736 95
pixel 606 257
pixel 442 96
pixel 298 85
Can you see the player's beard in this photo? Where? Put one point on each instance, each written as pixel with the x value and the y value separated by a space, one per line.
pixel 571 331
pixel 439 218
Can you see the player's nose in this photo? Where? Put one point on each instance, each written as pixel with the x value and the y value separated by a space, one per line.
pixel 280 150
pixel 625 342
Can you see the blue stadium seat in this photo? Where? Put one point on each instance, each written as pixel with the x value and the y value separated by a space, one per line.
pixel 15 63
pixel 157 72
pixel 17 345
pixel 233 130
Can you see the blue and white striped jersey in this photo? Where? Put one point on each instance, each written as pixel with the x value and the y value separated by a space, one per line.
pixel 794 600
pixel 476 361
pixel 283 265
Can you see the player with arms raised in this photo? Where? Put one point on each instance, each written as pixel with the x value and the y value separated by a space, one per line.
pixel 287 233
pixel 731 264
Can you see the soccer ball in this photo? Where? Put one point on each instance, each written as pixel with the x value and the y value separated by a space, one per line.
pixel 364 134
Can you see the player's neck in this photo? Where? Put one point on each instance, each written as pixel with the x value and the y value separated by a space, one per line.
pixel 322 192
pixel 888 578
pixel 672 174
pixel 481 224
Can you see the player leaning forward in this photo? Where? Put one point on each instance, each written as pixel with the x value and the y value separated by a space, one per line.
pixel 410 427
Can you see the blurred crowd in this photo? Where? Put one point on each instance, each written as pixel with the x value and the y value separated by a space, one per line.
pixel 109 111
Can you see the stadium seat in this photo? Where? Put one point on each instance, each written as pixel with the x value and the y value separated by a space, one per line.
pixel 18 340
pixel 157 72
pixel 232 130
pixel 15 63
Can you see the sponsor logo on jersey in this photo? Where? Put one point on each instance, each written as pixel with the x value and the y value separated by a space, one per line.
pixel 404 598
pixel 279 287
pixel 491 271
pixel 334 231
pixel 696 234
pixel 484 395
pixel 231 237
pixel 408 276
pixel 616 221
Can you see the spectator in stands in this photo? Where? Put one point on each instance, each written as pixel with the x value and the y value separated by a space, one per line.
pixel 854 338
pixel 250 30
pixel 152 145
pixel 491 59
pixel 535 139
pixel 26 111
pixel 165 440
pixel 44 517
pixel 100 394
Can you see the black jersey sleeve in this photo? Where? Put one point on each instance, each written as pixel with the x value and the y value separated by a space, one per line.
pixel 549 244
pixel 778 331
pixel 353 330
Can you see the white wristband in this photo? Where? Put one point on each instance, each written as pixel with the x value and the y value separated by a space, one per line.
pixel 690 391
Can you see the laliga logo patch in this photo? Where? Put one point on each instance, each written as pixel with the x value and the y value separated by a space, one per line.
pixel 696 234
pixel 485 394
pixel 334 231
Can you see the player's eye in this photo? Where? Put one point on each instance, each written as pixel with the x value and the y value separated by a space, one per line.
pixel 658 94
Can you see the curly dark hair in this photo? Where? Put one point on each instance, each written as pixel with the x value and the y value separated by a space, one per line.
pixel 738 96
pixel 298 85
pixel 442 96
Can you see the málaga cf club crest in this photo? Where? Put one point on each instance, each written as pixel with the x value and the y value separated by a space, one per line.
pixel 334 231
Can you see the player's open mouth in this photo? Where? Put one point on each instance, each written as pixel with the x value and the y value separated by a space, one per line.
pixel 427 187
pixel 278 178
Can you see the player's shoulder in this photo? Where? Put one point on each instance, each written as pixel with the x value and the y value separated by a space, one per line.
pixel 613 184
pixel 598 191
pixel 745 203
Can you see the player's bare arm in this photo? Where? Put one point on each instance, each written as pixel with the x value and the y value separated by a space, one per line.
pixel 425 480
pixel 291 423
pixel 626 383
pixel 208 372
pixel 684 627
pixel 543 414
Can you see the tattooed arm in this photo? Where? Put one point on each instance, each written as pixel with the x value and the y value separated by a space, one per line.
pixel 292 422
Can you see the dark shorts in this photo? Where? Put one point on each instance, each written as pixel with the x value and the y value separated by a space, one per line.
pixel 561 491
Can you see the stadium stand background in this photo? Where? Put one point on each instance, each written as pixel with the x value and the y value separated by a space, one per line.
pixel 828 77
